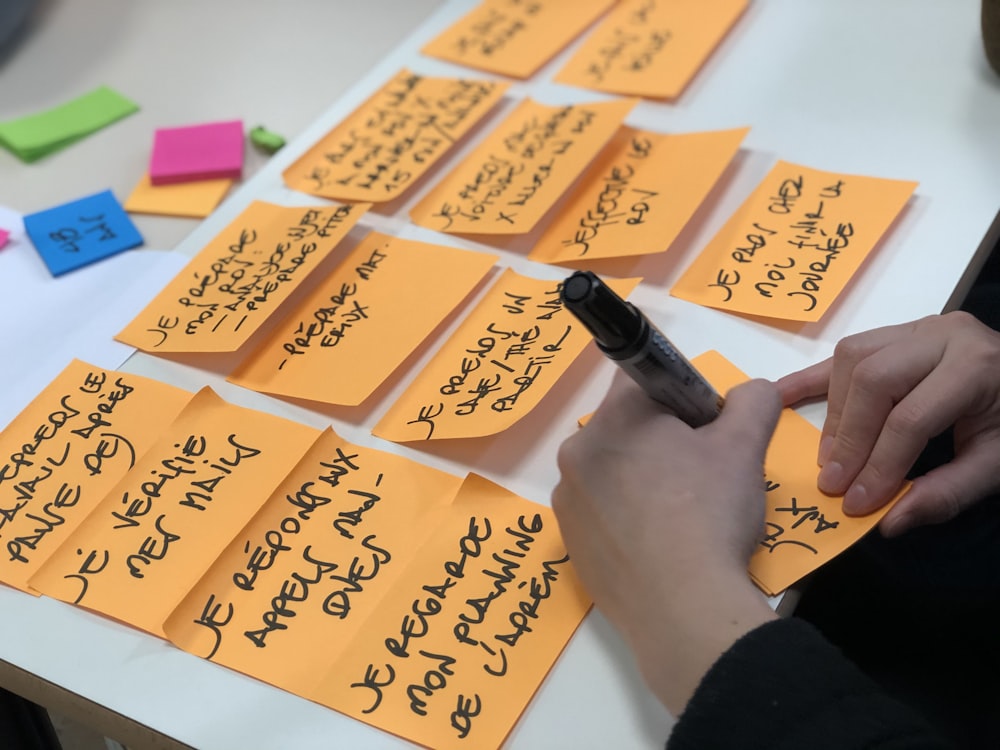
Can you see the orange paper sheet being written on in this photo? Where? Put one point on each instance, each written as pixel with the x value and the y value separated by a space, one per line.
pixel 349 335
pixel 239 278
pixel 803 527
pixel 794 244
pixel 496 367
pixel 515 37
pixel 293 589
pixel 651 48
pixel 157 531
pixel 638 195
pixel 521 169
pixel 62 454
pixel 458 647
pixel 389 142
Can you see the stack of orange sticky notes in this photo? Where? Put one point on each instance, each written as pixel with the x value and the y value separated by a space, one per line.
pixel 191 169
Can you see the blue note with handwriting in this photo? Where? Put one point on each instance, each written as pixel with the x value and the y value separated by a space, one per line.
pixel 81 232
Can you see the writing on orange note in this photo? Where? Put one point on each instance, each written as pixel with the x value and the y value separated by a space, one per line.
pixel 638 195
pixel 792 247
pixel 62 454
pixel 803 527
pixel 514 37
pixel 367 316
pixel 240 277
pixel 469 631
pixel 161 526
pixel 313 563
pixel 389 142
pixel 506 355
pixel 651 48
pixel 510 180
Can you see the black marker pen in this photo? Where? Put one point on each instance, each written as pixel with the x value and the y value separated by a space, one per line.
pixel 627 337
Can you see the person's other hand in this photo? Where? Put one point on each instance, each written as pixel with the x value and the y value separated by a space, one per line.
pixel 660 521
pixel 892 389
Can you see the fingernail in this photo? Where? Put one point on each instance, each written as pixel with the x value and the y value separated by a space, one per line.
pixel 830 478
pixel 856 500
pixel 895 526
pixel 825 446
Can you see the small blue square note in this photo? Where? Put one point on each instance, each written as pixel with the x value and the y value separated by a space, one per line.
pixel 81 232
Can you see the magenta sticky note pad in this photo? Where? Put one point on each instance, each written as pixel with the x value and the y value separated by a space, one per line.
pixel 4 236
pixel 197 152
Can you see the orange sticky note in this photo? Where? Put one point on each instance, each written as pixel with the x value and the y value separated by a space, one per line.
pixel 391 140
pixel 496 367
pixel 313 564
pixel 197 199
pixel 162 525
pixel 62 454
pixel 793 245
pixel 637 195
pixel 459 646
pixel 515 175
pixel 348 335
pixel 239 278
pixel 514 37
pixel 803 527
pixel 651 49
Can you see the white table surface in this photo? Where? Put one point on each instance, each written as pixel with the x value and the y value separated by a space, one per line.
pixel 890 88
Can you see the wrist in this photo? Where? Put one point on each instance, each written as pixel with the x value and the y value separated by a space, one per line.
pixel 698 626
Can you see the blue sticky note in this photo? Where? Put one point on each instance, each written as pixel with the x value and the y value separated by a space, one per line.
pixel 81 232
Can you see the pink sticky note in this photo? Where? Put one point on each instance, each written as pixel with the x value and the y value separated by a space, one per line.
pixel 4 234
pixel 197 152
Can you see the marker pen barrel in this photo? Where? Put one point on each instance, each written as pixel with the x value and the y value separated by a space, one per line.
pixel 627 337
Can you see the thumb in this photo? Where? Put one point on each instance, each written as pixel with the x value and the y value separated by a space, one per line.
pixel 750 416
pixel 944 492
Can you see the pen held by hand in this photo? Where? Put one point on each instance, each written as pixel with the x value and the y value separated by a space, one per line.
pixel 629 339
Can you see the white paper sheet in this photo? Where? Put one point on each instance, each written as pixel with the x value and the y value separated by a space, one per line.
pixel 45 322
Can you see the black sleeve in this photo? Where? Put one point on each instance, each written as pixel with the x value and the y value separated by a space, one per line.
pixel 784 686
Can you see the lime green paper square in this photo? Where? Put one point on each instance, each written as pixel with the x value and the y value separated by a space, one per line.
pixel 35 136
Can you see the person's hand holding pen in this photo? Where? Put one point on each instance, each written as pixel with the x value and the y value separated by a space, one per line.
pixel 889 391
pixel 660 520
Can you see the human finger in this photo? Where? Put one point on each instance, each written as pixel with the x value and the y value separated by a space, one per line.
pixel 809 382
pixel 847 355
pixel 749 417
pixel 944 492
pixel 923 413
pixel 882 409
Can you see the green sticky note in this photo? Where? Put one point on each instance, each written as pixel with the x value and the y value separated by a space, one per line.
pixel 265 140
pixel 35 136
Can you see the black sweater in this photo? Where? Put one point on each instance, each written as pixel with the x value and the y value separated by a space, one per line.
pixel 784 687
